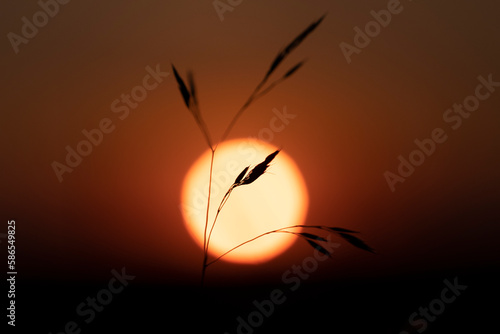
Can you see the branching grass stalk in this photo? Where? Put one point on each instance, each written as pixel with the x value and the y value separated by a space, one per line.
pixel 247 176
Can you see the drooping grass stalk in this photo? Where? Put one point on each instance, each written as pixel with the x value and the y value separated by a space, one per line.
pixel 246 242
pixel 247 177
pixel 342 232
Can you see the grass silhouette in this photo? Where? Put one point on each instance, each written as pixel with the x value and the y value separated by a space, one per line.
pixel 247 175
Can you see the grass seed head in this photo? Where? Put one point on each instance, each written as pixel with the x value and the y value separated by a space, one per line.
pixel 260 169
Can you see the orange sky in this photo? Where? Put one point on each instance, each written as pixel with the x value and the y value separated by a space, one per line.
pixel 121 204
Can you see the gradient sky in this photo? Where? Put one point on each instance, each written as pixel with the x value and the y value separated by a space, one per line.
pixel 120 206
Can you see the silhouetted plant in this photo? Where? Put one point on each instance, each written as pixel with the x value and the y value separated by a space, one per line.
pixel 247 175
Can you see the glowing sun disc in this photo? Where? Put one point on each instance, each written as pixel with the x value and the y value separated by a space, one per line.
pixel 277 199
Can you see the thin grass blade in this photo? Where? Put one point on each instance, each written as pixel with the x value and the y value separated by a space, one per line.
pixel 293 70
pixel 318 247
pixel 340 229
pixel 357 242
pixel 271 156
pixel 255 173
pixel 182 87
pixel 192 87
pixel 312 236
pixel 241 175
pixel 260 169
pixel 290 47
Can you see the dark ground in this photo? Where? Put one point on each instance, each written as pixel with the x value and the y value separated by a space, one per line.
pixel 375 306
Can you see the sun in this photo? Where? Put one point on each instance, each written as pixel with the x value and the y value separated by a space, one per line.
pixel 277 199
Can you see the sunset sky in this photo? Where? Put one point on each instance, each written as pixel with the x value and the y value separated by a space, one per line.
pixel 354 116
